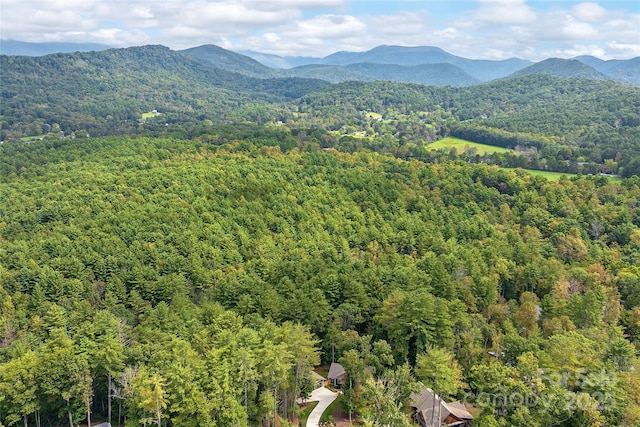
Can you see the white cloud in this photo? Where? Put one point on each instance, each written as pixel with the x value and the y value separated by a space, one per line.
pixel 510 12
pixel 580 50
pixel 230 14
pixel 589 12
pixel 272 38
pixel 319 36
pixel 625 50
pixel 295 4
pixel 141 12
pixel 579 30
pixel 330 26
pixel 58 20
pixel 402 23
pixel 482 28
pixel 118 37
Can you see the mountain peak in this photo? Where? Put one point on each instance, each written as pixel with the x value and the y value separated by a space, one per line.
pixel 227 60
pixel 562 68
pixel 387 47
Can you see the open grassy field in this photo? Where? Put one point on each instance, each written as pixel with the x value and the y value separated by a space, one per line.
pixel 149 115
pixel 32 138
pixel 463 145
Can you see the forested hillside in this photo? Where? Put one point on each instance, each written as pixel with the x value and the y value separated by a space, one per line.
pixel 619 70
pixel 562 68
pixel 231 61
pixel 200 282
pixel 561 124
pixel 106 93
pixel 553 120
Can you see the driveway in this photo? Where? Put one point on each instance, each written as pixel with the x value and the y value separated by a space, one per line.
pixel 324 396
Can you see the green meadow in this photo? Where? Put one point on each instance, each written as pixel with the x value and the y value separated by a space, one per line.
pixel 462 145
pixel 149 115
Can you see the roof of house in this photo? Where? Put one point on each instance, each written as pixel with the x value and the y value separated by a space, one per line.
pixel 427 404
pixel 422 398
pixel 336 370
pixel 459 411
pixel 316 376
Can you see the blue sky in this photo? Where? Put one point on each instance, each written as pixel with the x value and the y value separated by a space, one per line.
pixel 493 29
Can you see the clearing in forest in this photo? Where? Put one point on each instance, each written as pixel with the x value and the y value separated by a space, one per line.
pixel 462 145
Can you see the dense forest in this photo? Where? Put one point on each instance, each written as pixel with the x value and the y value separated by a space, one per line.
pixel 174 282
pixel 182 243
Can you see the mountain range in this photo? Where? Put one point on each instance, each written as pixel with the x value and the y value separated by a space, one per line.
pixel 422 64
pixel 158 91
pixel 483 70
pixel 111 87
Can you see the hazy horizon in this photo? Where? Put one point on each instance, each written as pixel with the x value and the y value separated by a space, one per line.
pixel 488 29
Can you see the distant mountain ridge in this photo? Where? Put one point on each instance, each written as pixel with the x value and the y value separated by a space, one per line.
pixel 116 85
pixel 330 73
pixel 482 70
pixel 439 74
pixel 230 61
pixel 434 66
pixel 15 47
pixel 281 62
pixel 420 64
pixel 625 71
pixel 425 65
pixel 572 68
pixel 433 74
pixel 399 55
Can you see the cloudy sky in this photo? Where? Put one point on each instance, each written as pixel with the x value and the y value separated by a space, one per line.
pixel 493 29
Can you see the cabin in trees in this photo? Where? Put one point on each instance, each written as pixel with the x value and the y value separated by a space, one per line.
pixel 337 375
pixel 430 410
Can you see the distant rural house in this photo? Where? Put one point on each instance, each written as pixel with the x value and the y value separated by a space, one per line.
pixel 430 410
pixel 102 425
pixel 337 375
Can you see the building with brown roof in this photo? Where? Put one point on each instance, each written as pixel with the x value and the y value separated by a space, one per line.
pixel 430 410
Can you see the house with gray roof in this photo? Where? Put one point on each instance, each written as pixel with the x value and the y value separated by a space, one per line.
pixel 430 410
pixel 337 375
